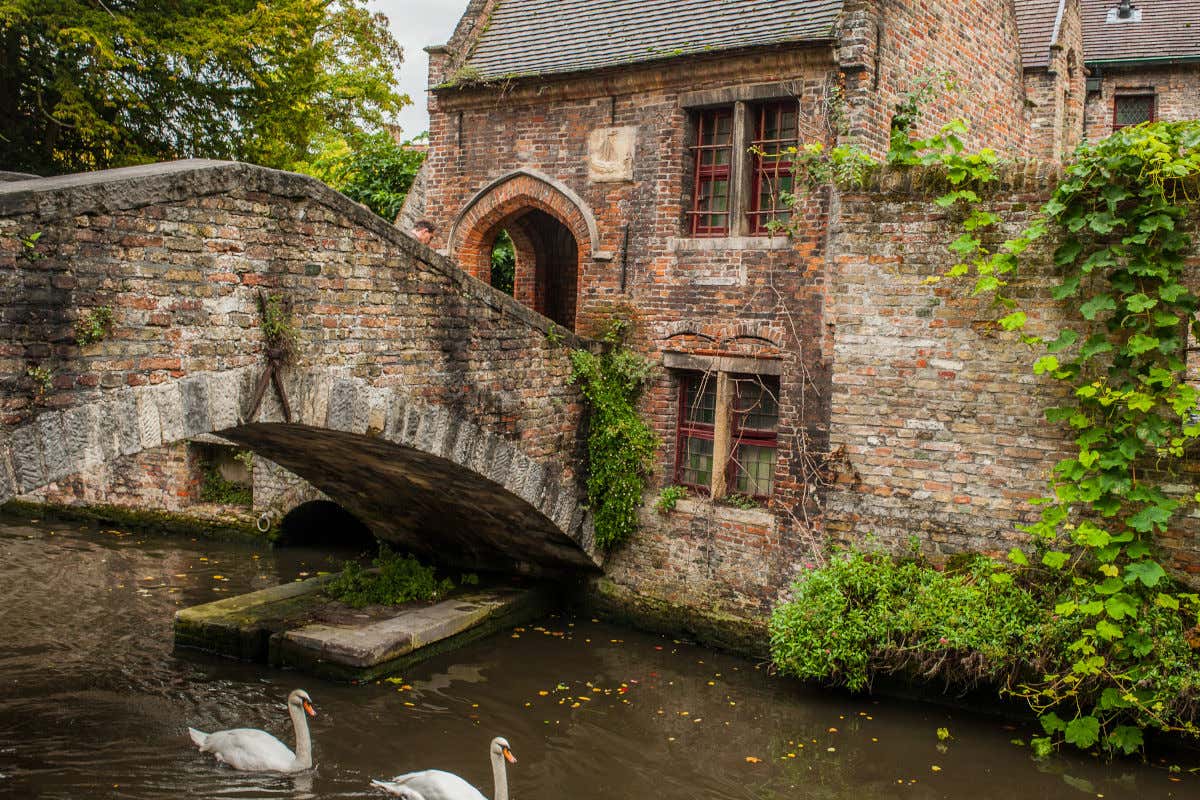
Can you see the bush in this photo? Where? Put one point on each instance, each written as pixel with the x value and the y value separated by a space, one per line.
pixel 401 579
pixel 868 614
pixel 980 623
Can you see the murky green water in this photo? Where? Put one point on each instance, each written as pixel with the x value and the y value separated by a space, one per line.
pixel 94 703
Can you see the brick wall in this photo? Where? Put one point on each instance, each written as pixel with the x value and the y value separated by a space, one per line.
pixel 1176 87
pixel 936 410
pixel 753 297
pixel 887 46
pixel 1055 93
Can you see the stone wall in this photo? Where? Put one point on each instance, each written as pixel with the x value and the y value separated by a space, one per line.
pixel 887 46
pixel 1176 88
pixel 936 409
pixel 410 363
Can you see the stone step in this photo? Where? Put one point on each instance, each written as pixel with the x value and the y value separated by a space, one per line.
pixel 293 626
pixel 371 650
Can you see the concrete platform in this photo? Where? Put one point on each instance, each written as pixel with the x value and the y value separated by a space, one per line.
pixel 298 627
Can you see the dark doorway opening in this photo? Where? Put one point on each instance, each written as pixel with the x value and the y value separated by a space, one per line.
pixel 545 267
pixel 324 524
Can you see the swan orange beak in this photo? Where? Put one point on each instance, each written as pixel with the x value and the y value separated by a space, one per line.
pixel 308 709
pixel 508 756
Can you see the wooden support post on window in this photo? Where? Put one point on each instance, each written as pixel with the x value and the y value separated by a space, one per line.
pixel 739 179
pixel 721 434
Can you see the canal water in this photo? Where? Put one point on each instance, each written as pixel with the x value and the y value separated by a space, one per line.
pixel 94 703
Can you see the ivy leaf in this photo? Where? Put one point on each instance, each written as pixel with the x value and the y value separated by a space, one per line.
pixel 1150 517
pixel 965 245
pixel 1108 631
pixel 1014 321
pixel 1045 364
pixel 1066 289
pixel 1094 346
pixel 1065 339
pixel 1120 606
pixel 1055 559
pixel 1163 319
pixel 1140 343
pixel 1110 586
pixel 1140 302
pixel 1148 572
pixel 1053 208
pixel 1093 307
pixel 1092 608
pixel 1052 723
pixel 1065 609
pixel 1167 601
pixel 1017 556
pixel 1082 732
pixel 1126 738
pixel 1137 401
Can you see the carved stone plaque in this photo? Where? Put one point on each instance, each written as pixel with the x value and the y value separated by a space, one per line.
pixel 610 154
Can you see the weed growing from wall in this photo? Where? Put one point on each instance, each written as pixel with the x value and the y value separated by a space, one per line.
pixel 93 326
pixel 621 445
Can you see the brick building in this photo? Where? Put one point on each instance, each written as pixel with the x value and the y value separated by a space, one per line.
pixel 1093 66
pixel 632 151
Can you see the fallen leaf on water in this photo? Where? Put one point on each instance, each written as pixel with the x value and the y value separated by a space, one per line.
pixel 833 730
pixel 935 768
pixel 543 693
pixel 752 760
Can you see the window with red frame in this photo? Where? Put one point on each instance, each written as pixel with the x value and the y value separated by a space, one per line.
pixel 749 465
pixel 776 135
pixel 697 426
pixel 713 156
pixel 754 434
pixel 1132 109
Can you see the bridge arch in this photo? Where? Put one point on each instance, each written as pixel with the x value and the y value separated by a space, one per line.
pixel 421 475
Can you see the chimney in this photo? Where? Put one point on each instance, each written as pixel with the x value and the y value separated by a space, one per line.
pixel 1126 9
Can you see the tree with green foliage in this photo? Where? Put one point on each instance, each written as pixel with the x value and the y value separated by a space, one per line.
pixel 93 84
pixel 369 168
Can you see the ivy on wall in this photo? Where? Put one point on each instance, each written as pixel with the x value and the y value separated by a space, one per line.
pixel 621 444
pixel 1116 636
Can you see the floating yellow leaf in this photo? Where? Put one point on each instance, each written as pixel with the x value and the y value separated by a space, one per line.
pixel 752 760
pixel 936 768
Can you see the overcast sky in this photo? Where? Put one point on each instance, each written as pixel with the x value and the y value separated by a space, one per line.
pixel 415 24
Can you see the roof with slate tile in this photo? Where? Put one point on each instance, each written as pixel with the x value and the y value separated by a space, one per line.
pixel 539 37
pixel 1168 29
pixel 1038 22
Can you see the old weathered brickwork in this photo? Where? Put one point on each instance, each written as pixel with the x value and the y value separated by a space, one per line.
pixel 886 47
pixel 936 409
pixel 1176 91
pixel 411 382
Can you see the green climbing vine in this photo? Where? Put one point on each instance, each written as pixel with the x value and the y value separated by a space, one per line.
pixel 1115 647
pixel 621 445
pixel 1119 218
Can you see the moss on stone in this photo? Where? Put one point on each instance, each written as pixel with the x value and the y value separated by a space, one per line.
pixel 722 630
pixel 140 519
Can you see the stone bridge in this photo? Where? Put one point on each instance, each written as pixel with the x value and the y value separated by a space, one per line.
pixel 430 405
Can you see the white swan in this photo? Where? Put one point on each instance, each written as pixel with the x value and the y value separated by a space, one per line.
pixel 433 784
pixel 258 751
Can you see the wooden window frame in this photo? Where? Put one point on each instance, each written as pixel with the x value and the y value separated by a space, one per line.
pixel 707 174
pixel 758 218
pixel 727 432
pixel 1117 98
pixel 686 428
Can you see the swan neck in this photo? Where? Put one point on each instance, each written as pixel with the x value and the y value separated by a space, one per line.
pixel 303 740
pixel 500 773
